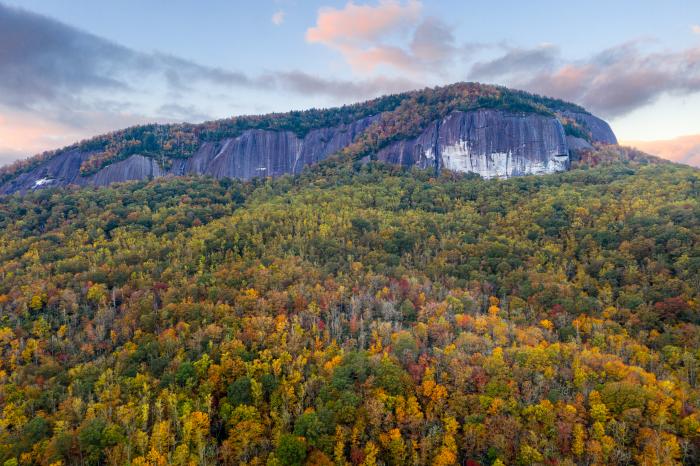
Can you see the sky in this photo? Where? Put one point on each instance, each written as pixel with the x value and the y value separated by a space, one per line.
pixel 71 69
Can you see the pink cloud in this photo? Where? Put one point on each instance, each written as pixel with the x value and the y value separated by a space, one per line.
pixel 23 134
pixel 367 60
pixel 362 23
pixel 27 134
pixel 366 36
pixel 568 80
pixel 684 149
pixel 611 83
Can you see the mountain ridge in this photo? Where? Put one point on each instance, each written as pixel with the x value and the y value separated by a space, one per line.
pixel 534 136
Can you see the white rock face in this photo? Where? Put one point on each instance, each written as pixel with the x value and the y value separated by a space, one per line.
pixel 491 143
pixel 459 158
pixel 42 182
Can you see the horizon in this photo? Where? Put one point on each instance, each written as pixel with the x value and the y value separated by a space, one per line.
pixel 74 72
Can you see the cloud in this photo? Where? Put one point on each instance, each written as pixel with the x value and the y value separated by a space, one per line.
pixel 43 61
pixel 516 60
pixel 177 112
pixel 359 24
pixel 613 82
pixel 695 29
pixel 365 36
pixel 45 64
pixel 433 42
pixel 8 156
pixel 304 83
pixel 684 149
pixel 278 17
pixel 59 84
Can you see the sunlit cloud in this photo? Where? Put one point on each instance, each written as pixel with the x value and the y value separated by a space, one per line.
pixel 695 28
pixel 365 34
pixel 23 133
pixel 360 24
pixel 684 149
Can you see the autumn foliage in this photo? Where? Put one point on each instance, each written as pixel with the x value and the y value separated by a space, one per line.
pixel 362 315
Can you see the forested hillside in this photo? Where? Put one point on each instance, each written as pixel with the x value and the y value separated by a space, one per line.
pixel 355 315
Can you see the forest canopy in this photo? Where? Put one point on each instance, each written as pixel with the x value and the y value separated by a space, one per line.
pixel 356 314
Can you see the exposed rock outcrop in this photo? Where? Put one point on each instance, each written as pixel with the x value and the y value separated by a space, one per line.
pixel 600 129
pixel 492 143
pixel 254 153
pixel 578 144
pixel 268 153
pixel 136 167
pixel 61 170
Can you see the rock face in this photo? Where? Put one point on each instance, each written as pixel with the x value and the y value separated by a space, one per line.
pixel 492 143
pixel 64 170
pixel 136 167
pixel 254 153
pixel 577 144
pixel 61 170
pixel 268 153
pixel 600 129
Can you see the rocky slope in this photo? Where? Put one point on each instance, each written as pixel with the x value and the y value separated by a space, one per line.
pixel 494 132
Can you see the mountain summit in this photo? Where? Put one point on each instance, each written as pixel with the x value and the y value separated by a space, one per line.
pixel 465 127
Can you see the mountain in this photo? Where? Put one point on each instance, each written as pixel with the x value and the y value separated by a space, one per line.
pixel 466 127
pixel 383 306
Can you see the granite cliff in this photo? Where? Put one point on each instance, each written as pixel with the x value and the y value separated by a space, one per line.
pixel 467 127
pixel 492 143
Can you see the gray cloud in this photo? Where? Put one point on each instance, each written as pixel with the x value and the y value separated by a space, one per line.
pixel 433 42
pixel 8 156
pixel 179 112
pixel 41 58
pixel 180 72
pixel 44 60
pixel 516 60
pixel 66 74
pixel 613 82
pixel 304 83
